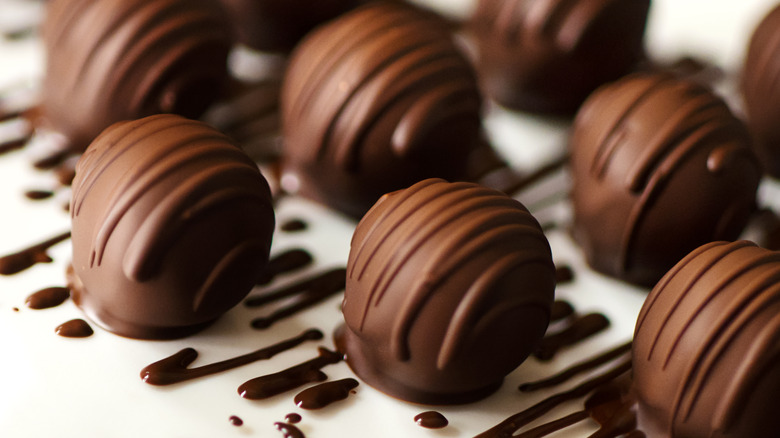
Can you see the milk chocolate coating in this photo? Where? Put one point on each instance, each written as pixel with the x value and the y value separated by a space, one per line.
pixel 278 25
pixel 172 225
pixel 449 288
pixel 113 60
pixel 659 167
pixel 373 102
pixel 761 90
pixel 706 353
pixel 548 55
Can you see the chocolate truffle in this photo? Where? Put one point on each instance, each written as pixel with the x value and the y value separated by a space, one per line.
pixel 376 101
pixel 278 25
pixel 113 60
pixel 761 90
pixel 707 344
pixel 548 55
pixel 659 167
pixel 449 288
pixel 172 225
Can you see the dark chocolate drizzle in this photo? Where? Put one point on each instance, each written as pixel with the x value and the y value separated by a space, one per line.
pixel 38 194
pixel 581 328
pixel 324 394
pixel 174 369
pixel 564 274
pixel 577 369
pixel 293 418
pixel 47 298
pixel 294 225
pixel 561 310
pixel 277 383
pixel 28 257
pixel 431 420
pixel 75 328
pixel 13 145
pixel 235 420
pixel 288 430
pixel 308 293
pixel 543 171
pixel 512 424
pixel 285 262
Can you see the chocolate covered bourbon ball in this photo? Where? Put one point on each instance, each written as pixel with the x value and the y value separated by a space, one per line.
pixel 171 226
pixel 659 167
pixel 278 25
pixel 761 90
pixel 113 60
pixel 548 55
pixel 449 288
pixel 706 352
pixel 373 102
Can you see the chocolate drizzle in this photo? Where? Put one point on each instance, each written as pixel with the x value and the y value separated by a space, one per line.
pixel 283 263
pixel 294 225
pixel 307 293
pixel 38 194
pixel 47 298
pixel 324 394
pixel 235 420
pixel 582 327
pixel 431 420
pixel 273 384
pixel 28 257
pixel 173 369
pixel 75 328
pixel 288 430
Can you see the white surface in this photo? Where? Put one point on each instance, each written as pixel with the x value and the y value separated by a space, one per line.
pixel 53 386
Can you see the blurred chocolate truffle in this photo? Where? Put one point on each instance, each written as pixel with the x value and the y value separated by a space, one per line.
pixel 278 25
pixel 113 60
pixel 659 167
pixel 706 346
pixel 761 90
pixel 172 225
pixel 449 288
pixel 548 55
pixel 373 102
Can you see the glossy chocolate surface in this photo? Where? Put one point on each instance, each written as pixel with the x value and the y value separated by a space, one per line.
pixel 761 90
pixel 113 60
pixel 172 226
pixel 706 347
pixel 449 288
pixel 548 55
pixel 659 166
pixel 373 102
pixel 278 25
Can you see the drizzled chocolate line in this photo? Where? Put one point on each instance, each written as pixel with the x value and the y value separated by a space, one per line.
pixel 512 424
pixel 581 328
pixel 537 175
pixel 38 194
pixel 12 145
pixel 561 310
pixel 273 384
pixel 431 420
pixel 324 394
pixel 577 369
pixel 285 262
pixel 288 430
pixel 309 292
pixel 47 298
pixel 173 369
pixel 564 274
pixel 294 225
pixel 75 328
pixel 28 257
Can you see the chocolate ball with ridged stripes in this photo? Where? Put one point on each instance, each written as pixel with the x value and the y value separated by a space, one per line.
pixel 172 225
pixel 449 288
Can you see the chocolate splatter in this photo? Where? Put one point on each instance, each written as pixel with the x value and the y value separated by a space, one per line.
pixel 47 298
pixel 273 384
pixel 75 328
pixel 294 225
pixel 285 262
pixel 431 420
pixel 324 394
pixel 28 257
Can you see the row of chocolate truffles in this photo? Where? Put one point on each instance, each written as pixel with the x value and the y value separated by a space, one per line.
pixel 441 278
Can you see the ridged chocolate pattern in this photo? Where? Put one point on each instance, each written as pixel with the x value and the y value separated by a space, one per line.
pixel 652 140
pixel 760 83
pixel 412 242
pixel 112 60
pixel 706 345
pixel 138 189
pixel 547 55
pixel 364 93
